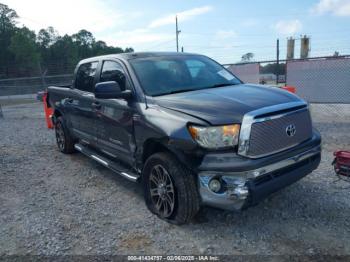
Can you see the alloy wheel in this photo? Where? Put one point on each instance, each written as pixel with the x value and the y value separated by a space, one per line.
pixel 60 138
pixel 162 191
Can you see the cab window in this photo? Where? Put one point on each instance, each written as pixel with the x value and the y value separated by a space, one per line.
pixel 113 71
pixel 86 76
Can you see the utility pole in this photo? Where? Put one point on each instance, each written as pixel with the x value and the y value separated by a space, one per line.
pixel 177 36
pixel 277 59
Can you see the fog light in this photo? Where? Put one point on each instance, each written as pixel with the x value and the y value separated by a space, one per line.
pixel 214 185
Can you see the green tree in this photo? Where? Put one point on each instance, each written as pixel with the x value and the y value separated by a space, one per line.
pixel 64 55
pixel 25 50
pixel 247 57
pixel 47 37
pixel 129 50
pixel 8 18
pixel 272 68
pixel 99 48
pixel 84 40
pixel 23 53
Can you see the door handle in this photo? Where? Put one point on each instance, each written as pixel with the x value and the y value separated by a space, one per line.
pixel 96 105
pixel 70 100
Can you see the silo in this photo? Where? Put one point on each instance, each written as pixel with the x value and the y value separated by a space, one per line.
pixel 290 48
pixel 304 47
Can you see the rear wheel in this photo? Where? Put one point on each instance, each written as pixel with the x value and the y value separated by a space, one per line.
pixel 170 189
pixel 64 140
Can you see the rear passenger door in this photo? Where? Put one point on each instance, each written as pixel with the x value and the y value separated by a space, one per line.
pixel 115 118
pixel 83 115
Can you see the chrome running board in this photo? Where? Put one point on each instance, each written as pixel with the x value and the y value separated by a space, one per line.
pixel 112 165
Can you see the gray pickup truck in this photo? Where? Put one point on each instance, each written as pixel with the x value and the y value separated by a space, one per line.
pixel 189 130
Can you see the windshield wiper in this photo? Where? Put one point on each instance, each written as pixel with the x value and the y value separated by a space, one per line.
pixel 195 89
pixel 176 91
pixel 220 85
pixel 182 90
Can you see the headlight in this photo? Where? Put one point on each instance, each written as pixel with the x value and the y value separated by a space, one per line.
pixel 215 136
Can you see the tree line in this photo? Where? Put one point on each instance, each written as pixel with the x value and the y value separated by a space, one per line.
pixel 25 53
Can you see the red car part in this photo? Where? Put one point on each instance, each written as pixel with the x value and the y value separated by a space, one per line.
pixel 291 89
pixel 48 112
pixel 341 163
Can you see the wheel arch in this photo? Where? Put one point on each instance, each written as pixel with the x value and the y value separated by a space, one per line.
pixel 152 146
pixel 56 113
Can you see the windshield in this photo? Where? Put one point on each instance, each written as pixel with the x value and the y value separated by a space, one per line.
pixel 180 73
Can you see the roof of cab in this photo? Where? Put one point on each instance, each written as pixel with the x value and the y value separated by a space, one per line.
pixel 129 56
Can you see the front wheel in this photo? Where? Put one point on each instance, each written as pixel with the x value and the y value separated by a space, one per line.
pixel 170 190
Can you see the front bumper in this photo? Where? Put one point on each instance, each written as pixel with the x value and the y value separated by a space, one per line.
pixel 246 182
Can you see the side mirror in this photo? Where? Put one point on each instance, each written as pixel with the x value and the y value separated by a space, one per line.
pixel 110 89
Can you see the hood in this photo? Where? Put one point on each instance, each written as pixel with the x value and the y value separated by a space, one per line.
pixel 225 105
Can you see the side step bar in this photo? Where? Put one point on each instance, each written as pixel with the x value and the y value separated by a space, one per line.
pixel 115 167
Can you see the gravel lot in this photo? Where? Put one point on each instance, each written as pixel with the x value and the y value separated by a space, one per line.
pixel 56 204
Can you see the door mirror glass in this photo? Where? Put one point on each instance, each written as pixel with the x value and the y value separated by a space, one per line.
pixel 105 90
pixel 111 89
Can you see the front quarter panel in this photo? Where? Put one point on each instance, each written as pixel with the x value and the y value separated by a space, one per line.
pixel 163 126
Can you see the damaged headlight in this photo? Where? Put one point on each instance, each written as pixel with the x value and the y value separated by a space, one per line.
pixel 215 137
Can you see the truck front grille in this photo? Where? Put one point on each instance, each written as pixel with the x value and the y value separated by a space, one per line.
pixel 271 136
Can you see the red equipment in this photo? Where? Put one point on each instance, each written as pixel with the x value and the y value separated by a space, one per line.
pixel 291 89
pixel 48 112
pixel 341 163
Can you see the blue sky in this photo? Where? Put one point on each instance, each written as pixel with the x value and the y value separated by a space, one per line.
pixel 221 29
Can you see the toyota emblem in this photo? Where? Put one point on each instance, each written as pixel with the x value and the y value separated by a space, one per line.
pixel 290 130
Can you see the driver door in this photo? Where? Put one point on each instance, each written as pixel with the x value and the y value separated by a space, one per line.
pixel 115 117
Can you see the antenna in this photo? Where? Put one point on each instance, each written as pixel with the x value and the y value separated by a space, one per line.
pixel 144 95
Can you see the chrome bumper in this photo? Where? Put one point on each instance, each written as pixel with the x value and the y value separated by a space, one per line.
pixel 235 185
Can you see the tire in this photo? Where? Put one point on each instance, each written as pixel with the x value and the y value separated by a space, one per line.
pixel 185 196
pixel 64 140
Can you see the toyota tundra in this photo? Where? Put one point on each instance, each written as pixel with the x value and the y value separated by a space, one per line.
pixel 185 127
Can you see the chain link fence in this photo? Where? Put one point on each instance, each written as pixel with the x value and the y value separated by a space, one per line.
pixel 317 80
pixel 28 79
pixel 32 85
pixel 248 73
pixel 324 80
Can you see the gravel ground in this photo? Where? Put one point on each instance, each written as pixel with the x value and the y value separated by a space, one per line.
pixel 56 204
